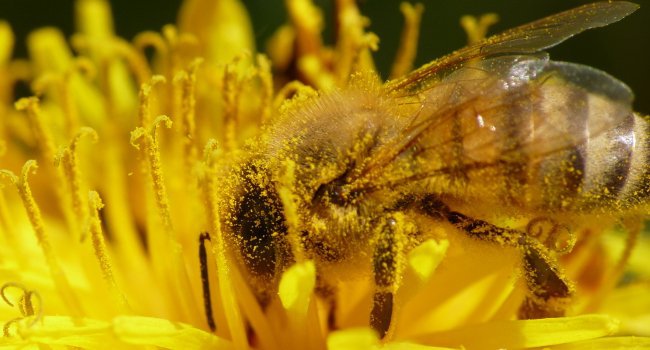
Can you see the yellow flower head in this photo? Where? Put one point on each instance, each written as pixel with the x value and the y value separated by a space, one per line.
pixel 212 197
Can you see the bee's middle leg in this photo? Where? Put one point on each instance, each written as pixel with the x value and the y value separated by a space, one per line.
pixel 549 291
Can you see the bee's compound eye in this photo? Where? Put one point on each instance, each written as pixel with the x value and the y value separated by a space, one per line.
pixel 330 193
pixel 336 193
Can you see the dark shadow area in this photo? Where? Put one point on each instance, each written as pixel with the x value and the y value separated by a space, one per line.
pixel 622 49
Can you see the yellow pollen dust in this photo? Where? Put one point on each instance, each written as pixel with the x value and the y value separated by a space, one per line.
pixel 160 158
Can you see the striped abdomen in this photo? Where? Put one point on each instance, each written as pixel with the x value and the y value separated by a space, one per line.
pixel 558 137
pixel 606 171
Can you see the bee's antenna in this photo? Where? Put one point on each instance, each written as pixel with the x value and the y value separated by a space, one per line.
pixel 205 282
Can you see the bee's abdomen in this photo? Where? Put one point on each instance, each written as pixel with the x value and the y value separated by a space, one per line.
pixel 560 149
pixel 616 168
pixel 609 170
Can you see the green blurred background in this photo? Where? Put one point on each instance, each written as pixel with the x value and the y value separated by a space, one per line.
pixel 623 49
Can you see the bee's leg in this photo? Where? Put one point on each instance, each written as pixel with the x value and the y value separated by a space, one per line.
pixel 385 265
pixel 549 291
pixel 327 292
pixel 323 254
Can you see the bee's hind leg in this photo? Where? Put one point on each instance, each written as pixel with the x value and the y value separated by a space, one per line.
pixel 549 292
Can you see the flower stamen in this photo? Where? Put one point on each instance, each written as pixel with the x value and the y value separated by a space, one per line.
pixel 168 244
pixel 68 156
pixel 477 28
pixel 353 43
pixel 25 305
pixel 5 223
pixel 187 79
pixel 154 40
pixel 285 185
pixel 36 219
pixel 99 246
pixel 288 91
pixel 152 152
pixel 178 43
pixel 232 86
pixel 42 136
pixel 307 20
pixel 409 40
pixel 144 110
pixel 264 73
pixel 134 59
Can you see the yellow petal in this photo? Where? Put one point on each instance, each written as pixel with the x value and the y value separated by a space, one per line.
pixel 297 286
pixel 411 346
pixel 471 286
pixel 613 343
pixel 94 19
pixel 526 333
pixel 95 23
pixel 630 304
pixel 165 333
pixel 6 42
pixel 61 330
pixel 48 50
pixel 50 54
pixel 425 258
pixel 222 27
pixel 639 263
pixel 296 291
pixel 352 339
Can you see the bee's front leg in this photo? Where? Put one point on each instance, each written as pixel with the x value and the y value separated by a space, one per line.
pixel 386 263
pixel 549 291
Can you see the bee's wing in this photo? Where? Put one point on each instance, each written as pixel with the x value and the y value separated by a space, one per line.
pixel 509 109
pixel 526 39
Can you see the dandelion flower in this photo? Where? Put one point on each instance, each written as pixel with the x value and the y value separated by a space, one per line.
pixel 112 205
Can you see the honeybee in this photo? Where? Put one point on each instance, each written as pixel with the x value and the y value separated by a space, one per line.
pixel 356 176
